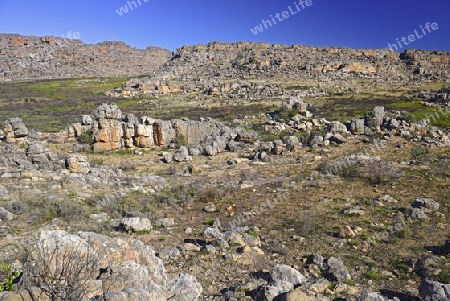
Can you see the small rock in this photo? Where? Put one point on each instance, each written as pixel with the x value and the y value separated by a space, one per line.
pixel 212 233
pixel 386 198
pixel 426 204
pixel 165 222
pixel 347 232
pixel 355 210
pixel 100 217
pixel 167 157
pixel 191 247
pixel 6 215
pixel 288 274
pixel 136 224
pixel 371 297
pixel 210 208
pixel 171 253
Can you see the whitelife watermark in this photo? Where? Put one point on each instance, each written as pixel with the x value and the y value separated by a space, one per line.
pixel 416 35
pixel 131 5
pixel 266 24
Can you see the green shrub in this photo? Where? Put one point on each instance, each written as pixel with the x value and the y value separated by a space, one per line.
pixel 209 222
pixel 7 284
pixel 254 234
pixel 419 152
pixel 180 139
pixel 86 138
pixel 443 277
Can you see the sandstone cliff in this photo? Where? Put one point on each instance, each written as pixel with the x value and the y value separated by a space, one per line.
pixel 284 62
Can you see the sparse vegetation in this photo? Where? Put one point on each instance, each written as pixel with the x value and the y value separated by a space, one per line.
pixel 8 278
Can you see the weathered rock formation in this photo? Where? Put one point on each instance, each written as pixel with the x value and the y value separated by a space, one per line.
pixel 76 267
pixel 14 129
pixel 262 60
pixel 29 57
pixel 111 131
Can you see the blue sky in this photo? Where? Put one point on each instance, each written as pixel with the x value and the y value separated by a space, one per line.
pixel 172 24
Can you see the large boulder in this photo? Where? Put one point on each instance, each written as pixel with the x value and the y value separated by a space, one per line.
pixel 338 270
pixel 357 126
pixel 426 204
pixel 377 117
pixel 125 269
pixel 433 290
pixel 14 128
pixel 77 164
pixel 108 111
pixel 286 273
pixel 108 135
pixel 135 224
pixel 108 129
pixel 337 127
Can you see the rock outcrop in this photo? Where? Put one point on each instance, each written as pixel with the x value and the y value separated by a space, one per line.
pixel 297 62
pixel 14 129
pixel 29 57
pixel 112 132
pixel 95 265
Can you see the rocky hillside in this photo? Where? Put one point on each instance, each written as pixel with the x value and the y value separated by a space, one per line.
pixel 29 57
pixel 284 62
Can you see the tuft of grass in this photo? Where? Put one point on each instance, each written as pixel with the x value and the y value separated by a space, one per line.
pixel 209 222
pixel 143 232
pixel 373 275
pixel 72 194
pixel 254 234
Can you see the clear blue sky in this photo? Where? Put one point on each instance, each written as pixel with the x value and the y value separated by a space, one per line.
pixel 171 24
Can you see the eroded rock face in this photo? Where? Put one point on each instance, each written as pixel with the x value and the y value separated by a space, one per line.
pixel 108 130
pixel 253 60
pixel 128 268
pixel 111 132
pixel 29 57
pixel 14 128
